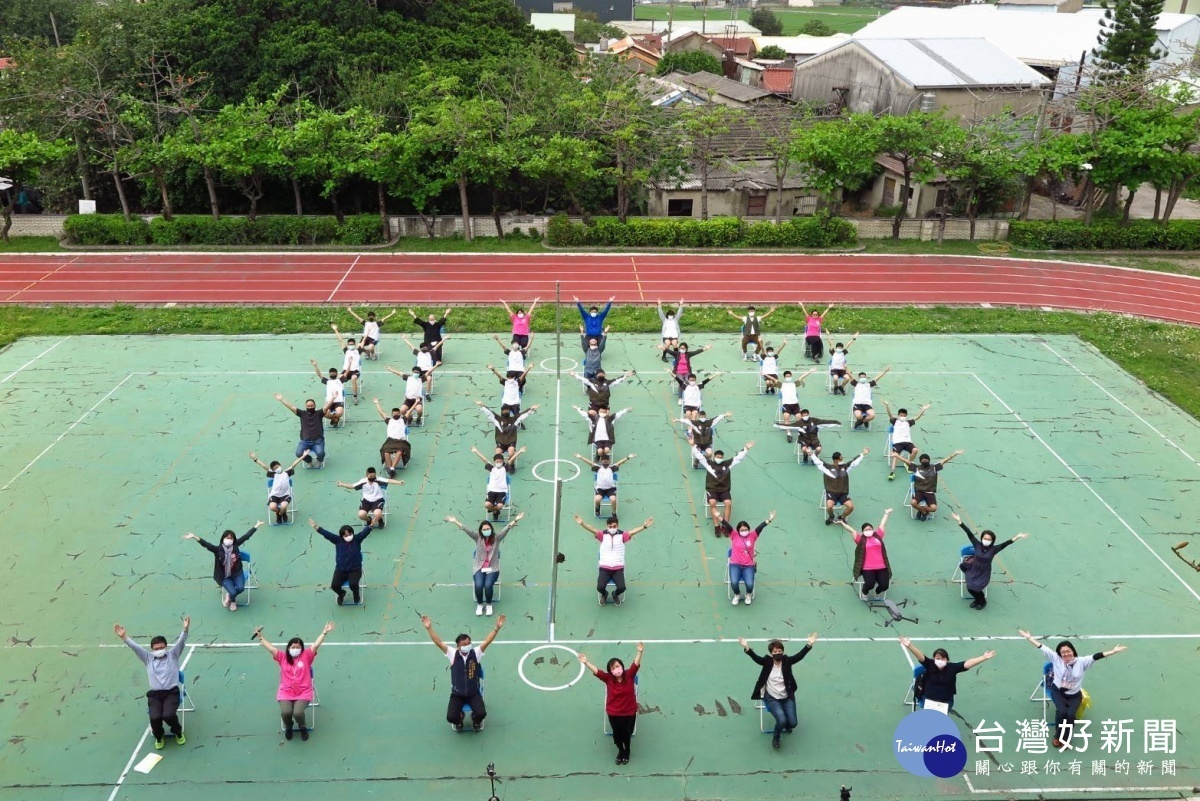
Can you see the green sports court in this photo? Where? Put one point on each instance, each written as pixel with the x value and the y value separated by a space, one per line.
pixel 114 448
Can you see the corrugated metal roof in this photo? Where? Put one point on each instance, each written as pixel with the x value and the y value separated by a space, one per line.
pixel 720 85
pixel 945 63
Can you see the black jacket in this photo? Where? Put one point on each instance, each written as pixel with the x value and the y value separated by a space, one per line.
pixel 767 663
pixel 348 554
pixel 219 555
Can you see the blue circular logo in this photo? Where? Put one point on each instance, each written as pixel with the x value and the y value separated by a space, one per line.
pixel 927 744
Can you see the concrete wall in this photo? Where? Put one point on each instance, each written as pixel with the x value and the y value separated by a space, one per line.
pixel 730 204
pixel 926 230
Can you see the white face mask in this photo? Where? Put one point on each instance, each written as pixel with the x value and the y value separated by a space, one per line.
pixel 228 544
pixel 520 314
pixel 464 649
pixel 613 529
pixel 593 314
pixel 160 653
pixel 869 533
pixel 744 532
pixel 349 538
pixel 940 663
pixel 294 652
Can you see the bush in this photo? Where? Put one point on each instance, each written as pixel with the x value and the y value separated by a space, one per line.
pixel 199 229
pixel 720 232
pixel 106 229
pixel 361 229
pixel 1105 235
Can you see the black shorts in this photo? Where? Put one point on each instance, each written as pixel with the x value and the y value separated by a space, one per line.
pixel 603 443
pixel 337 405
pixel 277 499
pixel 838 498
pixel 515 408
pixel 903 447
pixel 838 373
pixel 719 497
pixel 395 446
pixel 863 407
pixel 496 497
pixel 611 492
pixel 928 498
pixel 350 374
pixel 409 403
pixel 770 376
pixel 791 408
pixel 371 506
pixel 368 341
pixel 691 408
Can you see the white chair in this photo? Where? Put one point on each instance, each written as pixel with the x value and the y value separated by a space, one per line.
pixel 362 594
pixel 1041 691
pixel 605 501
pixel 290 517
pixel 729 589
pixel 858 588
pixel 838 508
pixel 185 701
pixel 508 501
pixel 495 591
pixel 762 384
pixel 310 714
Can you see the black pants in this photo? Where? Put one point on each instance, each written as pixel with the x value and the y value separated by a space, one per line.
pixel 342 576
pixel 454 710
pixel 814 347
pixel 875 579
pixel 618 578
pixel 978 595
pixel 1066 707
pixel 622 729
pixel 163 705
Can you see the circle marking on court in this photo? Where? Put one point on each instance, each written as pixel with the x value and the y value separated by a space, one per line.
pixel 563 359
pixel 571 683
pixel 567 462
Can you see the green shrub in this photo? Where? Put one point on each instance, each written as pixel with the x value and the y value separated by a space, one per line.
pixel 719 232
pixel 200 229
pixel 361 229
pixel 106 229
pixel 1105 235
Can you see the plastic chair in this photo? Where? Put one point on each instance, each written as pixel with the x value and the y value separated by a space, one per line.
pixel 911 698
pixel 605 501
pixel 310 714
pixel 801 457
pixel 762 384
pixel 467 708
pixel 838 508
pixel 1041 691
pixel 291 510
pixel 763 726
pixel 729 588
pixel 604 727
pixel 858 588
pixel 185 701
pixel 508 501
pixel 362 594
pixel 251 578
pixel 495 591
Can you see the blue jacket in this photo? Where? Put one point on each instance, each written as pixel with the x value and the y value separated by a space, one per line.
pixel 593 326
pixel 349 554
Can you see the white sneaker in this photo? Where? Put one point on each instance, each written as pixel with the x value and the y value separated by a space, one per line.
pixel 225 599
pixel 478 610
pixel 487 610
pixel 749 600
pixel 737 599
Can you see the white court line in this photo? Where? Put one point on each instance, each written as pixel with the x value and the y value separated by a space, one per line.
pixel 1147 423
pixel 1090 489
pixel 34 359
pixel 344 277
pixel 1113 788
pixel 138 748
pixel 70 428
pixel 554 495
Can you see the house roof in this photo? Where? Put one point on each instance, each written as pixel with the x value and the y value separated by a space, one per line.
pixel 564 23
pixel 711 27
pixel 740 45
pixel 779 80
pixel 948 63
pixel 5 63
pixel 803 45
pixel 749 65
pixel 661 92
pixel 718 85
pixel 735 176
pixel 632 47
pixel 1034 37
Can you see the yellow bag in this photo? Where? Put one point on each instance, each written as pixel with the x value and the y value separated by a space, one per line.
pixel 1084 705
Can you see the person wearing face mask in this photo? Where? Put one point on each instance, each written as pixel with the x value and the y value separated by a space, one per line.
pixel 352 353
pixel 602 428
pixel 605 483
pixel 432 328
pixel 428 358
pixel 808 432
pixel 593 354
pixel 312 430
pixel 700 432
pixel 776 684
pixel 901 435
pixel 512 385
pixel 162 669
pixel 279 492
pixel 507 425
pixel 692 397
pixel 520 322
pixel 977 569
pixel 870 556
pixel 370 508
pixel 348 559
pixel 516 354
pixel 681 361
pixel 396 450
pixel 743 557
pixel 465 674
pixel 295 679
pixel 228 572
pixel 670 327
pixel 500 469
pixel 862 408
pixel 335 394
pixel 620 699
pixel 925 478
pixel 718 484
pixel 814 346
pixel 839 370
pixel 939 680
pixel 370 334
pixel 413 407
pixel 837 484
pixel 768 367
pixel 789 398
pixel 1066 684
pixel 593 319
pixel 752 326
pixel 599 389
pixel 485 567
pixel 612 555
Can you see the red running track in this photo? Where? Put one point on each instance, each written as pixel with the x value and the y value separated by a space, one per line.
pixel 421 279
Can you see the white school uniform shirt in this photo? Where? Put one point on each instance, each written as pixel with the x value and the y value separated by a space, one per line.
pixel 901 431
pixel 371 329
pixel 497 479
pixel 605 478
pixel 512 392
pixel 787 393
pixel 691 395
pixel 281 485
pixel 397 429
pixel 770 365
pixel 424 360
pixel 516 361
pixel 862 393
pixel 335 391
pixel 352 361
pixel 414 388
pixel 371 490
pixel 837 361
pixel 603 430
pixel 670 326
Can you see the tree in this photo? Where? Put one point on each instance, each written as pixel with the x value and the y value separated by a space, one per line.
pixel 816 27
pixel 331 148
pixel 779 127
pixel 912 140
pixel 765 20
pixel 700 128
pixel 1127 42
pixel 838 156
pixel 772 53
pixel 688 62
pixel 22 156
pixel 241 144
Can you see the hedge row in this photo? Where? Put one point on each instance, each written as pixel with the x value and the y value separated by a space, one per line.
pixel 1105 235
pixel 721 232
pixel 112 229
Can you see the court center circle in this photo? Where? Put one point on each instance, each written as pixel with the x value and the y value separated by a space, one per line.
pixel 562 360
pixel 571 683
pixel 567 462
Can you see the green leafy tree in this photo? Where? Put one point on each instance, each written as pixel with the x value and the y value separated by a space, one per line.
pixel 700 128
pixel 838 156
pixel 816 27
pixel 689 61
pixel 1128 39
pixel 49 21
pixel 765 20
pixel 912 140
pixel 984 169
pixel 241 143
pixel 331 148
pixel 22 156
pixel 778 128
pixel 773 53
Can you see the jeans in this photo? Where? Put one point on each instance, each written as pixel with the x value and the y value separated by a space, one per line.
pixel 784 712
pixel 317 446
pixel 163 705
pixel 741 574
pixel 234 585
pixel 484 584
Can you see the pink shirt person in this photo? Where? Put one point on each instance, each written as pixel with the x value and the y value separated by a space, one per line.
pixel 874 551
pixel 742 548
pixel 295 680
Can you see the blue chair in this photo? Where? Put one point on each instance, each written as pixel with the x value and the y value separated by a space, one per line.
pixel 291 510
pixel 467 707
pixel 185 701
pixel 911 698
pixel 765 726
pixel 251 578
pixel 604 727
pixel 1041 691
pixel 508 501
pixel 362 594
pixel 605 501
pixel 957 575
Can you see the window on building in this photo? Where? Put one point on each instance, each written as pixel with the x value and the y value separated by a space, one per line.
pixel 756 206
pixel 679 208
